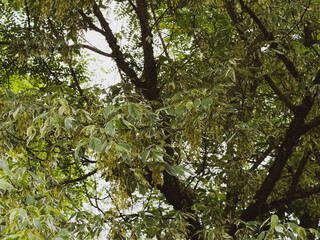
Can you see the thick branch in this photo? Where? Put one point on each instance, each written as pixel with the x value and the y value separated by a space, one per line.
pixel 116 52
pixel 281 96
pixel 314 123
pixel 290 198
pixel 293 134
pixel 28 16
pixel 150 70
pixel 181 200
pixel 4 43
pixel 268 36
pixel 90 23
pixel 288 63
pixel 260 159
pixel 298 173
pixel 316 80
pixel 83 177
pixel 230 6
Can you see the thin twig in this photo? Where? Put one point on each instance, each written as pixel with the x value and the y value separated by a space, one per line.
pixel 159 33
pixel 297 24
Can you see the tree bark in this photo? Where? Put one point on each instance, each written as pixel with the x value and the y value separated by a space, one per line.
pixel 308 221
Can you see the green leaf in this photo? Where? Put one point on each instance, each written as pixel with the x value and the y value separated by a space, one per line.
pixel 291 235
pixel 33 210
pixel 36 177
pixel 42 115
pixel 207 102
pixel 135 111
pixel 31 235
pixel 301 232
pixel 78 147
pixel 107 111
pixel 95 144
pixel 274 220
pixel 31 200
pixel 142 189
pixel 211 235
pixel 314 232
pixel 261 235
pixel 37 223
pixel 110 128
pixel 121 149
pixel 128 124
pixel 70 123
pixel 13 215
pixel 144 156
pixel 279 229
pixel 231 74
pixel 15 113
pixel 189 105
pixel 4 185
pixel 22 213
pixel 180 108
pixel 173 170
pixel 149 132
pixel 63 233
pixel 9 93
pixel 157 154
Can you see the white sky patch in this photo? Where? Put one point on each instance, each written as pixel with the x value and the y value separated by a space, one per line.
pixel 103 68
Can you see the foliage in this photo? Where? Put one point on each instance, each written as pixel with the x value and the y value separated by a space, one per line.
pixel 212 132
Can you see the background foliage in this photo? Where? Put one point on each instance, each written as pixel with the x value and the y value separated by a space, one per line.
pixel 212 133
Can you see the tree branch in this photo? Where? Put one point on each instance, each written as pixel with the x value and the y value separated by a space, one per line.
pixel 260 159
pixel 230 6
pixel 281 96
pixel 298 173
pixel 83 177
pixel 90 23
pixel 51 72
pixel 116 52
pixel 159 33
pixel 309 126
pixel 94 49
pixel 268 36
pixel 28 15
pixel 300 20
pixel 287 200
pixel 76 81
pixel 293 134
pixel 150 70
pixel 317 78
pixel 134 8
pixel 4 43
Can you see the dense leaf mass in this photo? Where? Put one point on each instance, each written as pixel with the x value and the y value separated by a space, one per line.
pixel 211 133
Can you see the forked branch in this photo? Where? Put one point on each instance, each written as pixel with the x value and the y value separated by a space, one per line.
pixel 268 36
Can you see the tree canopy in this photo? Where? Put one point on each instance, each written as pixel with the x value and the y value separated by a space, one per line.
pixel 211 133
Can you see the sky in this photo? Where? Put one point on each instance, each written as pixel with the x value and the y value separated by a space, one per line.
pixel 103 68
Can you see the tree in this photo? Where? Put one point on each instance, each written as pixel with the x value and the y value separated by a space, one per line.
pixel 212 133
